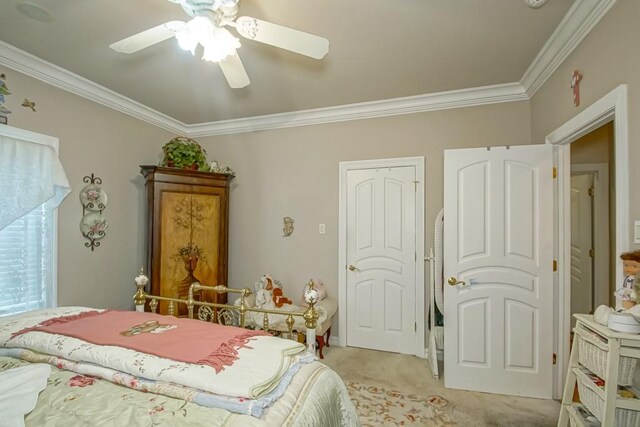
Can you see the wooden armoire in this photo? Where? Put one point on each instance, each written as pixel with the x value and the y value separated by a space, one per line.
pixel 187 231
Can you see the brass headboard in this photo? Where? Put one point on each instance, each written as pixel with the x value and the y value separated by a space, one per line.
pixel 227 314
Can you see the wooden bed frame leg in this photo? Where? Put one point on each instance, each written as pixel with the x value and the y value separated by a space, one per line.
pixel 321 343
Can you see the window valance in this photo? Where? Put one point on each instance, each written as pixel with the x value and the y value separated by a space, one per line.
pixel 30 173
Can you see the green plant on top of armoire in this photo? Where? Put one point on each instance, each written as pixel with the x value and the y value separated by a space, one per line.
pixel 185 153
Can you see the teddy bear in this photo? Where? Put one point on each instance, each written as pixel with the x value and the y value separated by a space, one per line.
pixel 276 289
pixel 267 283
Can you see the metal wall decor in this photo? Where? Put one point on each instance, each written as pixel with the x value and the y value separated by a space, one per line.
pixel 94 200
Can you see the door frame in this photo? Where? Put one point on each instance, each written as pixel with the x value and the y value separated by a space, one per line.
pixel 611 107
pixel 601 237
pixel 420 301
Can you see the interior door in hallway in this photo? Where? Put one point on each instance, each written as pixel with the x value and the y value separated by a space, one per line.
pixel 381 259
pixel 498 261
pixel 581 244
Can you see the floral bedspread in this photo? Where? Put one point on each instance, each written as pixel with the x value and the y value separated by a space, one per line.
pixel 72 399
pixel 315 397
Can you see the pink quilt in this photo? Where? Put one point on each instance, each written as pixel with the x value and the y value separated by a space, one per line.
pixel 183 340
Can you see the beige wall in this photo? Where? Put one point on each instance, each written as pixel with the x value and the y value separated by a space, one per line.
pixel 608 56
pixel 294 172
pixel 594 147
pixel 99 140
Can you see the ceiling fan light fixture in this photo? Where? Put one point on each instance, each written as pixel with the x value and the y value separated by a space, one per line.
pixel 218 43
pixel 222 45
pixel 207 28
pixel 198 30
pixel 186 42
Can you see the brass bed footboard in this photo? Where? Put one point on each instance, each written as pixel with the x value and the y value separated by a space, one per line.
pixel 226 314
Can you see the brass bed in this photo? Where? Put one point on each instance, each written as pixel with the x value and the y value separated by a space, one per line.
pixel 313 396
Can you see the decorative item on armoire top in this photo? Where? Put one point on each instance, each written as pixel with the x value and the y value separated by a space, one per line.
pixel 576 78
pixel 4 90
pixel 184 153
pixel 94 200
pixel 287 226
pixel 215 168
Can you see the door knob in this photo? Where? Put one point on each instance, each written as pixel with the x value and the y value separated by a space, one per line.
pixel 353 268
pixel 453 281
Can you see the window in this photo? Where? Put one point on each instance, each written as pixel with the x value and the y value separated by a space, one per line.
pixel 32 185
pixel 27 263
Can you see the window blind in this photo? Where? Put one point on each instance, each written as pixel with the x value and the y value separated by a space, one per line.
pixel 26 262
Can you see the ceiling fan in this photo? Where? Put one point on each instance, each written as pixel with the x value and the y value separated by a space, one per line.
pixel 207 28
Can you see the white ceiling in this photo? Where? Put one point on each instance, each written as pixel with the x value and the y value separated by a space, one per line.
pixel 379 49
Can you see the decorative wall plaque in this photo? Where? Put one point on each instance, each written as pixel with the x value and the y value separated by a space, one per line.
pixel 94 200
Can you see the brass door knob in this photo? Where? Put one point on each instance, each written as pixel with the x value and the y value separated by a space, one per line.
pixel 454 281
pixel 353 268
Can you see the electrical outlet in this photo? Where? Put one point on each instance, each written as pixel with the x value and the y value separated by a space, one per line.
pixel 636 232
pixel 321 229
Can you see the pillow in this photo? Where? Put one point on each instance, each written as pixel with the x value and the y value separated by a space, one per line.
pixel 19 389
pixel 318 286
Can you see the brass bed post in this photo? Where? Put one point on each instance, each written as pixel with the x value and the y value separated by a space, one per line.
pixel 311 322
pixel 311 316
pixel 290 321
pixel 140 297
pixel 190 299
pixel 243 305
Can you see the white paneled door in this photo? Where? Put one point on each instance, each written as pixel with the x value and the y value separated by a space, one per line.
pixel 581 244
pixel 381 259
pixel 498 262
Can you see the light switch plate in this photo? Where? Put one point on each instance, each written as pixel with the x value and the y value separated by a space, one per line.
pixel 636 232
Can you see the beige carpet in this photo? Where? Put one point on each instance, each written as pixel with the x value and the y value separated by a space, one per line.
pixel 409 375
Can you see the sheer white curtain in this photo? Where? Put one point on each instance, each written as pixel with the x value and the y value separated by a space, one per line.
pixel 30 175
pixel 32 184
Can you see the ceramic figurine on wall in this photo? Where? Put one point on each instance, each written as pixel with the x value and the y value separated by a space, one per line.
pixel 29 104
pixel 576 78
pixel 287 228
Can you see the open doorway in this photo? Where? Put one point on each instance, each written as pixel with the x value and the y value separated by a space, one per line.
pixel 612 107
pixel 592 220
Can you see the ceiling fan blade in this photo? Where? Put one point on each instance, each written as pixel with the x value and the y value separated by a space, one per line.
pixel 234 72
pixel 282 37
pixel 147 38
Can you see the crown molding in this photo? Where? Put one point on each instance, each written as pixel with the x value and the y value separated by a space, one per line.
pixel 508 92
pixel 576 24
pixel 574 27
pixel 32 66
